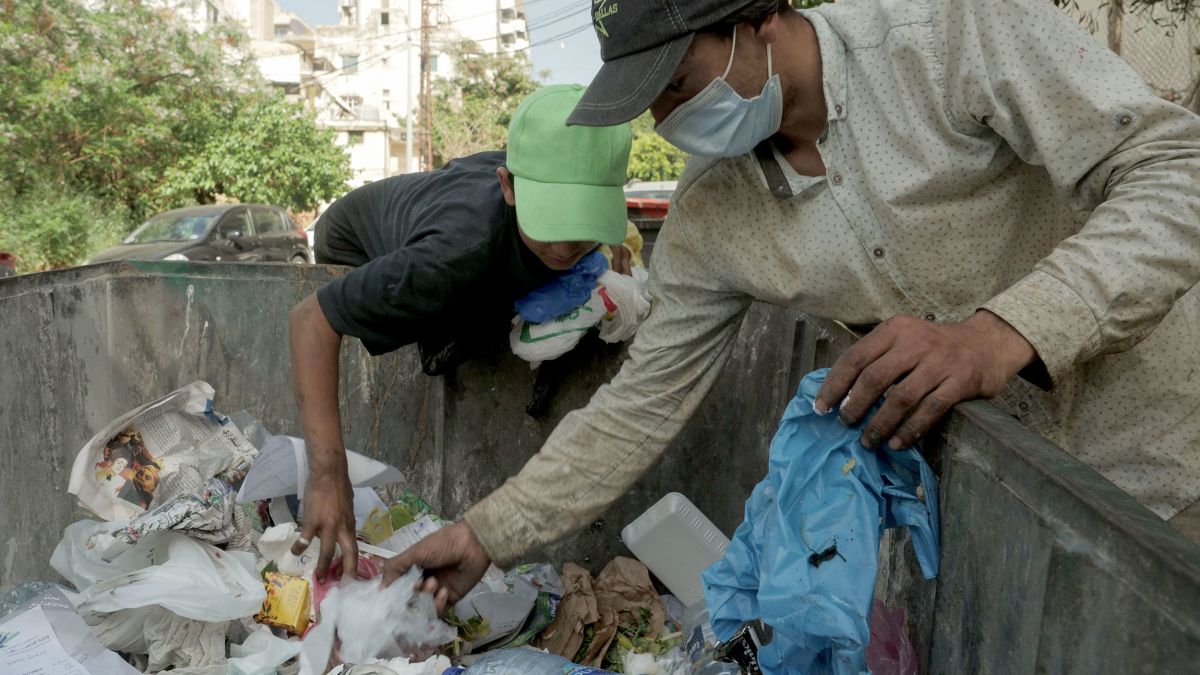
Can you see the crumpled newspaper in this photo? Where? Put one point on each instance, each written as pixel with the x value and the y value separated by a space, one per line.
pixel 211 515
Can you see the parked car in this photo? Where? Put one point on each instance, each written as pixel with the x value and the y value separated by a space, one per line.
pixel 311 233
pixel 650 189
pixel 8 264
pixel 228 232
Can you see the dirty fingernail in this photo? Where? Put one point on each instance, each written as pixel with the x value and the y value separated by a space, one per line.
pixel 895 443
pixel 845 419
pixel 820 407
pixel 872 438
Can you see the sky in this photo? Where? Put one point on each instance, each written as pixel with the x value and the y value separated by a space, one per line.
pixel 573 58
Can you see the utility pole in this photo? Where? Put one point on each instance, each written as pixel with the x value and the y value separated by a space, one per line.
pixel 408 86
pixel 426 84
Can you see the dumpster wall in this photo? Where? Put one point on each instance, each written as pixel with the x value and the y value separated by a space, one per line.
pixel 1046 567
pixel 84 345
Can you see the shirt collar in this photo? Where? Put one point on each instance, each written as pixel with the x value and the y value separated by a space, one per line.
pixel 833 65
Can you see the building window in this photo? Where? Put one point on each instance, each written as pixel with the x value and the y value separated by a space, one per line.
pixel 508 13
pixel 383 18
pixel 354 138
pixel 211 13
pixel 281 31
pixel 350 63
pixel 433 63
pixel 387 93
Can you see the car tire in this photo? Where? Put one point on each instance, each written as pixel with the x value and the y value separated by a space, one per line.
pixel 299 260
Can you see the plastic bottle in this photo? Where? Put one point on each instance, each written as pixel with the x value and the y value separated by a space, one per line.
pixel 699 641
pixel 528 662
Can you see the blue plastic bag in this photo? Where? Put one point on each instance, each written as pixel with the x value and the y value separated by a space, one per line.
pixel 564 293
pixel 804 560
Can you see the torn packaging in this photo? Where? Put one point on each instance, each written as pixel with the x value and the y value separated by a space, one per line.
pixel 576 611
pixel 590 614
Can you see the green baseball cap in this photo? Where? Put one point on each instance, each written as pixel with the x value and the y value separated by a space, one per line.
pixel 569 181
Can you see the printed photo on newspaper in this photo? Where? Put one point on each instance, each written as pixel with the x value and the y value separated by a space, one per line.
pixel 159 451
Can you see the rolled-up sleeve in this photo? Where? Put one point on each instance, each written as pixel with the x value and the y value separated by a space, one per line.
pixel 596 453
pixel 1030 74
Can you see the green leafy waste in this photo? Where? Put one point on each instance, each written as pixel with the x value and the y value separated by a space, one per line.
pixel 632 638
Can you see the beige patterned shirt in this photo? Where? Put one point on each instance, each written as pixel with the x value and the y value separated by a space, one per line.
pixel 979 154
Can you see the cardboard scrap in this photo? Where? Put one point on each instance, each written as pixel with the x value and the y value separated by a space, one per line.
pixel 576 611
pixel 621 597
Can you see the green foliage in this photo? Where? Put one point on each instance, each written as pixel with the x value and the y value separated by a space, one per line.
pixel 271 152
pixel 52 226
pixel 122 102
pixel 471 110
pixel 652 158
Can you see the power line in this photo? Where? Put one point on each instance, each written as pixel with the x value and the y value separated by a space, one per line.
pixel 447 23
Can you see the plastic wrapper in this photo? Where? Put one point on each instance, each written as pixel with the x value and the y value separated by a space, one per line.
pixel 890 651
pixel 628 304
pixel 564 293
pixel 370 622
pixel 188 577
pixel 804 559
pixel 288 602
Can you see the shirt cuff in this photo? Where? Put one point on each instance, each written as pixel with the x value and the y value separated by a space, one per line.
pixel 500 528
pixel 1049 314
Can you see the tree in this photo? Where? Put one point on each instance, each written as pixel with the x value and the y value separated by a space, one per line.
pixel 271 152
pixel 472 109
pixel 653 158
pixel 123 103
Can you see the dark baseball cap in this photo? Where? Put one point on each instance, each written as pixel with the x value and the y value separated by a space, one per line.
pixel 642 43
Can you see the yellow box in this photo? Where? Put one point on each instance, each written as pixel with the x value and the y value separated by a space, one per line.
pixel 287 603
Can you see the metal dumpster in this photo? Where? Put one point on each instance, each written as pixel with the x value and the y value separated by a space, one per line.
pixel 1046 566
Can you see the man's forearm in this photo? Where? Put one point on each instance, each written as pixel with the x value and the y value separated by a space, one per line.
pixel 315 349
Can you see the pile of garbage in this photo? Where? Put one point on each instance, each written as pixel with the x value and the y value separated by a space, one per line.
pixel 186 567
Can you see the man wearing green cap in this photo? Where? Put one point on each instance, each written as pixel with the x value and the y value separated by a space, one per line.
pixel 443 255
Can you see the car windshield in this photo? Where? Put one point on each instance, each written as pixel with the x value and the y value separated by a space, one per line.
pixel 648 194
pixel 173 227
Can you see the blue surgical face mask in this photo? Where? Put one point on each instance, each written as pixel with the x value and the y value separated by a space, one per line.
pixel 718 122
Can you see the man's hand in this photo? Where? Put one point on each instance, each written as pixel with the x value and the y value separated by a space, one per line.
pixel 329 514
pixel 452 559
pixel 328 498
pixel 622 260
pixel 932 367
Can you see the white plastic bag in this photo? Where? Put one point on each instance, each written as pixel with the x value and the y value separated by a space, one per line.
pixel 631 299
pixel 190 578
pixel 372 622
pixel 619 304
pixel 537 342
pixel 167 639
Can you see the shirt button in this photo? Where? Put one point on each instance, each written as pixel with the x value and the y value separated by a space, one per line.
pixel 837 179
pixel 930 316
pixel 878 252
pixel 838 108
pixel 1126 120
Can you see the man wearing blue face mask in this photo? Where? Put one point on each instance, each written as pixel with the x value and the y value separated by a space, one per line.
pixel 1001 196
